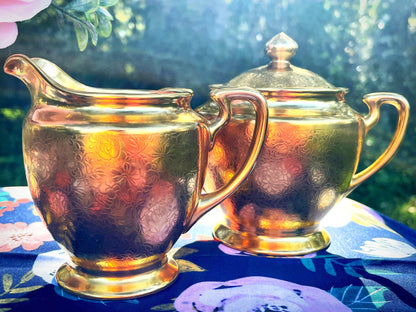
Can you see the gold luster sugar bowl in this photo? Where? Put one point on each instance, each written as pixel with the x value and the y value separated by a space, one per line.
pixel 308 162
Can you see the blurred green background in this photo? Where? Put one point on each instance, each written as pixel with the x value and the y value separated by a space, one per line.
pixel 364 45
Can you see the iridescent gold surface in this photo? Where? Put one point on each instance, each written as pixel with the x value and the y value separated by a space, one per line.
pixel 306 166
pixel 117 175
pixel 308 162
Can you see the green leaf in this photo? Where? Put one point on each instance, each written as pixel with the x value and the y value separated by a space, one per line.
pixel 350 271
pixel 188 266
pixel 82 35
pixel 82 28
pixel 329 268
pixel 60 16
pixel 83 5
pixel 21 290
pixel 182 252
pixel 377 295
pixel 361 298
pixel 105 13
pixel 108 3
pixel 13 300
pixel 308 263
pixel 7 282
pixel 164 307
pixel 92 31
pixel 92 18
pixel 27 277
pixel 104 24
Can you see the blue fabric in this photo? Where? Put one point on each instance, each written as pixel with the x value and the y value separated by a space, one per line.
pixel 370 265
pixel 406 231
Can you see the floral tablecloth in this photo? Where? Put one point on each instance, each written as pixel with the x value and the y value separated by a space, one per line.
pixel 370 265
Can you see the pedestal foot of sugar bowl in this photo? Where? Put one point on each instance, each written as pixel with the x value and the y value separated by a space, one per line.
pixel 290 245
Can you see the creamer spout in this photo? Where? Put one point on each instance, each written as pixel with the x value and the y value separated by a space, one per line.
pixel 22 67
pixel 43 75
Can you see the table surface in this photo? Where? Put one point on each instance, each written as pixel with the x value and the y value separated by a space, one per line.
pixel 370 265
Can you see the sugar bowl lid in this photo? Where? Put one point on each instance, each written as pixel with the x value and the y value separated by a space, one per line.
pixel 280 73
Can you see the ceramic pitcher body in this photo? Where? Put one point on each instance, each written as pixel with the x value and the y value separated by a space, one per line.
pixel 117 175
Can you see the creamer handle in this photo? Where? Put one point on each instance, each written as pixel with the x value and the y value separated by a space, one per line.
pixel 224 98
pixel 374 101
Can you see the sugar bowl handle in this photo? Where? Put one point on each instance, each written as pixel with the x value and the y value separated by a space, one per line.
pixel 224 97
pixel 374 102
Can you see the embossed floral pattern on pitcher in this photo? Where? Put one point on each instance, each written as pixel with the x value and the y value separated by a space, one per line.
pixel 117 175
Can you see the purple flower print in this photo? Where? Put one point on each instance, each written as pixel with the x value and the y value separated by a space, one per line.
pixel 256 294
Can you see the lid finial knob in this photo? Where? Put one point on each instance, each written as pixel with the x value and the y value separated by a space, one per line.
pixel 281 48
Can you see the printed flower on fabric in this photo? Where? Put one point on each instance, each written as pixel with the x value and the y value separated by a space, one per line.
pixel 30 237
pixel 19 193
pixel 12 11
pixel 348 211
pixel 12 197
pixel 7 206
pixel 46 264
pixel 256 293
pixel 387 248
